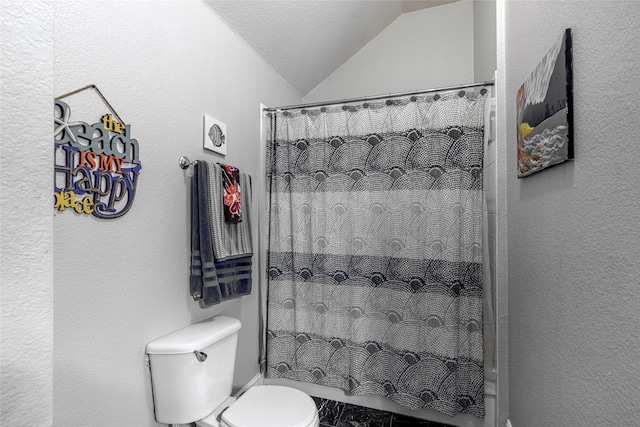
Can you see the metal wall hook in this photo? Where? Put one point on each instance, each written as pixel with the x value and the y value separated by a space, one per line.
pixel 200 355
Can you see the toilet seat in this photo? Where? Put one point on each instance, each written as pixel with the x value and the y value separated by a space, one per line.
pixel 271 406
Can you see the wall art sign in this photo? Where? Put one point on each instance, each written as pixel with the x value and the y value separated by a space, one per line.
pixel 96 166
pixel 545 111
pixel 215 135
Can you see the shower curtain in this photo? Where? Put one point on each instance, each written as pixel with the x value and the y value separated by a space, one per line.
pixel 374 250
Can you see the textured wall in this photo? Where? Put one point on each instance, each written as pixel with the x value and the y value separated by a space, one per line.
pixel 573 230
pixel 420 50
pixel 26 251
pixel 122 283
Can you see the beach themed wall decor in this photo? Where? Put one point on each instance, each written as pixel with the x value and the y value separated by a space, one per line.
pixel 215 135
pixel 545 111
pixel 96 166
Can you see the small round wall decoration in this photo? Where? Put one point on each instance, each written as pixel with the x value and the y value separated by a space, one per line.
pixel 215 135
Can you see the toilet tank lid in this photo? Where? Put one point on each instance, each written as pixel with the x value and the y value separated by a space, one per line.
pixel 195 337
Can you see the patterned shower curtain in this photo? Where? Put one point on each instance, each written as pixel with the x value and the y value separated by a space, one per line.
pixel 375 249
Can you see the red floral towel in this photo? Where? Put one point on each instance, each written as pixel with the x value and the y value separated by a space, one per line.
pixel 231 184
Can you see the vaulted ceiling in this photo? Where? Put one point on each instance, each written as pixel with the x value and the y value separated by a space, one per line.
pixel 306 40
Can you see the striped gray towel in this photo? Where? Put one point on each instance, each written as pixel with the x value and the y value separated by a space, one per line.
pixel 230 240
pixel 220 252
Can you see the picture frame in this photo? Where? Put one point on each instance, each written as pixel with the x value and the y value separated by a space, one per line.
pixel 215 135
pixel 544 105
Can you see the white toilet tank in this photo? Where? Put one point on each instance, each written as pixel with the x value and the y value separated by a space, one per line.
pixel 186 388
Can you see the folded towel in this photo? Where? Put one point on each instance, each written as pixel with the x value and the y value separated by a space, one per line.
pixel 230 240
pixel 203 271
pixel 233 279
pixel 232 193
pixel 213 280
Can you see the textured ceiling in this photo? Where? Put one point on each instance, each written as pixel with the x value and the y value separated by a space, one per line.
pixel 306 40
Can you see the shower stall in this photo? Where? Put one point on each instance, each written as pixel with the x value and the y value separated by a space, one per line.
pixel 378 260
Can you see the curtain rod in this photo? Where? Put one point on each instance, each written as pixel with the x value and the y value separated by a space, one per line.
pixel 376 97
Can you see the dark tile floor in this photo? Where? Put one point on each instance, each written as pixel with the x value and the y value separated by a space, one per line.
pixel 339 414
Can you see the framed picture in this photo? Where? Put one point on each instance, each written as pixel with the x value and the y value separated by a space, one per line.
pixel 215 135
pixel 545 111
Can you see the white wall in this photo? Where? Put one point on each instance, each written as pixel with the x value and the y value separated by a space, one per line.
pixel 484 60
pixel 573 229
pixel 26 249
pixel 484 40
pixel 420 50
pixel 122 283
pixel 501 259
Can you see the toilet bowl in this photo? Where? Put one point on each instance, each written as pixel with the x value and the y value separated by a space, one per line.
pixel 192 376
pixel 265 406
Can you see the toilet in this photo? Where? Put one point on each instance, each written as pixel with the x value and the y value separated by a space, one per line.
pixel 192 376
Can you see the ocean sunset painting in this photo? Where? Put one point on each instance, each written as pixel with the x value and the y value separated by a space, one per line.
pixel 544 111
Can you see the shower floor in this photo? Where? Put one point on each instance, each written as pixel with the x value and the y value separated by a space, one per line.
pixel 339 414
